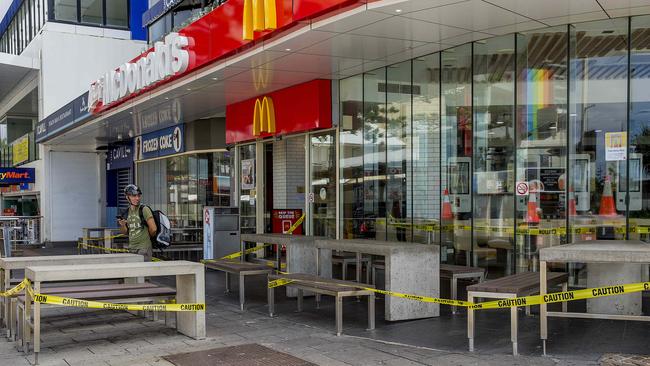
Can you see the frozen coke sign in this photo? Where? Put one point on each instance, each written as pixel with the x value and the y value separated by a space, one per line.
pixel 166 59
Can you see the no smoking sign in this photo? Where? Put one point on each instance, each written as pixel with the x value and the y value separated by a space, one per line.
pixel 522 188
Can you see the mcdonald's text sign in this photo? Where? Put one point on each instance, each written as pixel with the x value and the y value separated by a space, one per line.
pixel 298 108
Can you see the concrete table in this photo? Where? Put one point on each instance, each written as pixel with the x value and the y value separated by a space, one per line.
pixel 20 263
pixel 301 254
pixel 410 268
pixel 609 262
pixel 190 288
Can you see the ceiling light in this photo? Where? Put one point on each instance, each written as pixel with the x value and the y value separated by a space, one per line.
pixel 166 98
pixel 287 49
pixel 215 78
pixel 398 10
pixel 596 131
pixel 189 89
pixel 552 128
pixel 500 122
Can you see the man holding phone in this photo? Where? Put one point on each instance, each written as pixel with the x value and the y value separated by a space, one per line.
pixel 139 223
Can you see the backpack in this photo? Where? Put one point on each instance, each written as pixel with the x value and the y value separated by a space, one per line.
pixel 163 236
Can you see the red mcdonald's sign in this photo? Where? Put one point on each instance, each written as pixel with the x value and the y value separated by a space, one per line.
pixel 298 108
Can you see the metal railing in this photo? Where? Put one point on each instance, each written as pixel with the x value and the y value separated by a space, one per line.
pixel 19 231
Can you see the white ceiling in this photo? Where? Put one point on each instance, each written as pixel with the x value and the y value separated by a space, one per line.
pixel 373 35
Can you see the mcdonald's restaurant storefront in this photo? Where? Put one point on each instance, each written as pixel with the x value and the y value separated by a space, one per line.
pixel 492 149
pixel 491 146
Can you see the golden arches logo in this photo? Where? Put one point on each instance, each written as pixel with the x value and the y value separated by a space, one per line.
pixel 263 116
pixel 259 15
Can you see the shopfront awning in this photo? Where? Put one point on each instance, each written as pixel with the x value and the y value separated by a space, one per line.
pixel 357 39
pixel 13 70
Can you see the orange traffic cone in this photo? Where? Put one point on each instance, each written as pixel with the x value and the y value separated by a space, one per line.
pixel 572 203
pixel 446 206
pixel 607 206
pixel 532 217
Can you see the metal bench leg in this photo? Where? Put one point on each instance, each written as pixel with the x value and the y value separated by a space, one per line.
pixel 454 292
pixel 371 311
pixel 317 301
pixel 339 315
pixel 300 297
pixel 242 283
pixel 565 288
pixel 270 296
pixel 470 322
pixel 513 329
pixel 374 275
pixel 344 269
pixel 227 282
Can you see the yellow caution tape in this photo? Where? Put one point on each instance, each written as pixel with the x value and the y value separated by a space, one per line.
pixel 554 297
pixel 80 245
pixel 103 237
pixel 498 304
pixel 18 288
pixel 66 301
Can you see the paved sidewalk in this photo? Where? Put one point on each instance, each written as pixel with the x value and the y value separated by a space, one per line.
pixel 97 337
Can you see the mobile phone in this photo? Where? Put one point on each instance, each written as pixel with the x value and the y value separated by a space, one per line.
pixel 119 217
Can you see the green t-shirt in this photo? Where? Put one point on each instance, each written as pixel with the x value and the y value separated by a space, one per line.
pixel 138 234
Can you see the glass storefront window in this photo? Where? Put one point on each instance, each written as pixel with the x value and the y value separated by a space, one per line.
pixel 181 185
pixel 351 158
pixel 247 192
pixel 493 205
pixel 425 141
pixel 398 152
pixel 541 143
pixel 323 184
pixel 456 154
pixel 597 127
pixel 639 139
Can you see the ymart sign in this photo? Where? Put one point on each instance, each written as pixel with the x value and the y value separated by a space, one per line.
pixel 225 31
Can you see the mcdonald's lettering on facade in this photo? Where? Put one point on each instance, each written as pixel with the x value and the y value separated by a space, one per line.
pixel 263 116
pixel 259 15
pixel 299 108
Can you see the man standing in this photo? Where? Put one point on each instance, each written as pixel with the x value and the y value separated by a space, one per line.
pixel 139 223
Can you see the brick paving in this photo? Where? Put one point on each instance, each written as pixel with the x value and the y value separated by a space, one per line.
pixel 618 359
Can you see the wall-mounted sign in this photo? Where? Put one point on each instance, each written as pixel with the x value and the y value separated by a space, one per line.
pixel 166 59
pixel 119 157
pixel 263 116
pixel 283 220
pixel 164 142
pixel 298 108
pixel 67 117
pixel 17 175
pixel 20 149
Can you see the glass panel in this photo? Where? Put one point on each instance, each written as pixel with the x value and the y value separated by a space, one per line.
pixel 541 142
pixel 456 153
pixel 323 184
pixel 398 144
pixel 65 10
pixel 247 199
pixel 117 13
pixel 160 28
pixel 91 12
pixel 374 156
pixel 351 155
pixel 494 97
pixel 425 167
pixel 598 96
pixel 639 181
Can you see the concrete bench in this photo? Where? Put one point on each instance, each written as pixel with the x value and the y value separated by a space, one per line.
pixel 242 269
pixel 323 286
pixel 509 287
pixel 124 293
pixel 453 273
pixel 190 288
pixel 9 265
